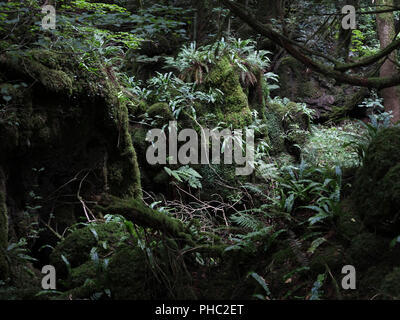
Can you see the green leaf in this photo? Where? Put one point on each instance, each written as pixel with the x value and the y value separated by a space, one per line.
pixel 261 281
pixel 315 244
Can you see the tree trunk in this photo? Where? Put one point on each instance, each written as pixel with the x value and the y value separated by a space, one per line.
pixel 345 36
pixel 386 30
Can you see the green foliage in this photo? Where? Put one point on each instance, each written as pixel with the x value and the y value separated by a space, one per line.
pixel 18 253
pixel 186 174
pixel 308 187
pixel 316 291
pixel 261 281
pixel 180 96
pixel 330 146
pixel 149 22
pixel 193 62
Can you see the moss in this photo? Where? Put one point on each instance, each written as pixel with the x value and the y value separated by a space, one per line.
pixel 81 274
pixel 124 170
pixel 275 132
pixel 377 183
pixel 365 249
pixel 139 139
pixel 73 93
pixel 161 112
pixel 76 247
pixel 3 235
pixel 130 278
pixel 235 109
pixel 54 80
pixel 136 211
pixel 390 286
pixel 83 292
pixel 290 114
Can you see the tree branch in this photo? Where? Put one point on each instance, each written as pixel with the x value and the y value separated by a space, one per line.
pixel 267 31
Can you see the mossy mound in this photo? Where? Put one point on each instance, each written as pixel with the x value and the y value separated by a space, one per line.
pixel 81 275
pixel 161 113
pixel 377 183
pixel 129 276
pixel 66 110
pixel 76 246
pixel 275 132
pixel 235 110
pixel 70 122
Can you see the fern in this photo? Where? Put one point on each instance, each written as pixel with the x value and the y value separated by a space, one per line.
pixel 186 174
pixel 246 221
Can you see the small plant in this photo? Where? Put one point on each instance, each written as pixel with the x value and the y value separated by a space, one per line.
pixel 18 253
pixel 261 281
pixel 186 174
pixel 316 291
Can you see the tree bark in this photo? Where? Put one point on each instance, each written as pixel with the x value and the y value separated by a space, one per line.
pixel 386 31
pixel 345 36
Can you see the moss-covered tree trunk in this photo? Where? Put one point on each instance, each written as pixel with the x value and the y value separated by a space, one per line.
pixel 3 228
pixel 344 37
pixel 386 30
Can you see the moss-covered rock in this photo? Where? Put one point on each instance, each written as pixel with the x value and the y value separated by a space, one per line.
pixel 295 83
pixel 160 110
pixel 81 109
pixel 129 276
pixel 81 274
pixel 235 110
pixel 76 246
pixel 71 122
pixel 377 183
